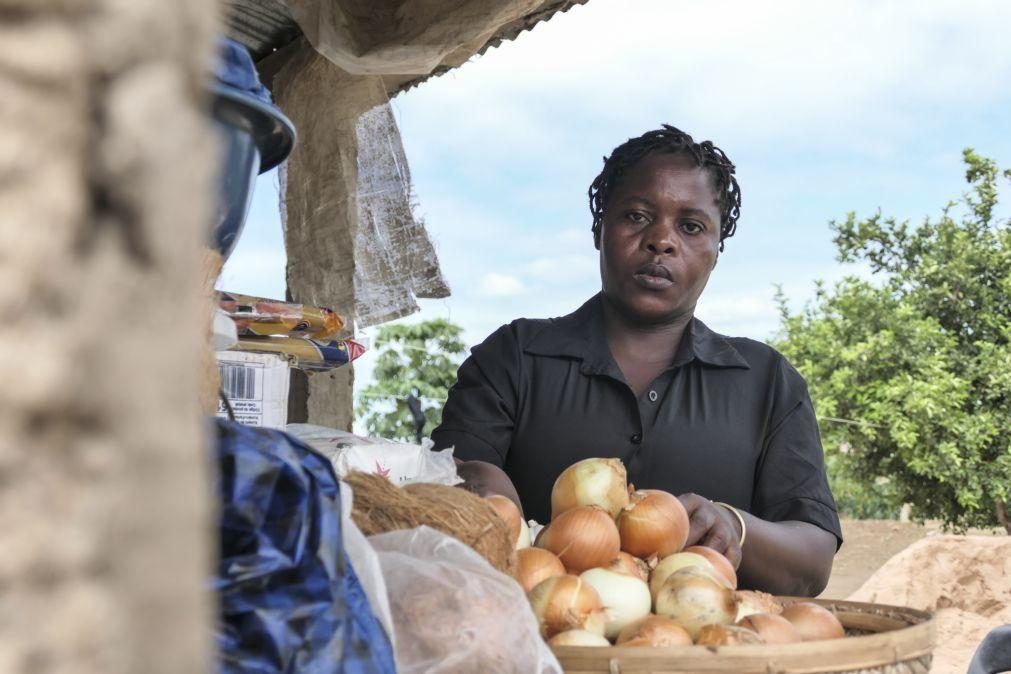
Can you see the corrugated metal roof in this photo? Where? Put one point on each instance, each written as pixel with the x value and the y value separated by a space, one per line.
pixel 261 25
pixel 266 25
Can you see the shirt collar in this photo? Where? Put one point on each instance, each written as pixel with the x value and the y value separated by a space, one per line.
pixel 581 335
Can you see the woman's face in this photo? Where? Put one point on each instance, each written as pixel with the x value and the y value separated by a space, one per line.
pixel 659 239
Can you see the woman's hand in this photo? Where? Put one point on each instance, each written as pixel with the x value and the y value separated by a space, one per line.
pixel 486 479
pixel 713 526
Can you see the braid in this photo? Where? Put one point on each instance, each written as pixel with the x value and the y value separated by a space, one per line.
pixel 669 139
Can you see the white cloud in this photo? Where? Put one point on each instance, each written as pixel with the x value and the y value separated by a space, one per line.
pixel 500 285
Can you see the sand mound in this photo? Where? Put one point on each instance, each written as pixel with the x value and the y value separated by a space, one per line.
pixel 965 580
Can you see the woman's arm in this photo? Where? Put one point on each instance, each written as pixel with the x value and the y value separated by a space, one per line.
pixel 786 558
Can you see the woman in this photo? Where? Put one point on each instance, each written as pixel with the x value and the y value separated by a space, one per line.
pixel 724 423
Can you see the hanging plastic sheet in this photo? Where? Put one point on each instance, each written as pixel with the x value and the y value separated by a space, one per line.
pixel 290 600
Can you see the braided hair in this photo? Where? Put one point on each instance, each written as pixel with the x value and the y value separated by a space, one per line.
pixel 672 140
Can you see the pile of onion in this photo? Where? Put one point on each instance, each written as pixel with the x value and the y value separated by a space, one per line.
pixel 583 537
pixel 609 556
pixel 654 523
pixel 591 482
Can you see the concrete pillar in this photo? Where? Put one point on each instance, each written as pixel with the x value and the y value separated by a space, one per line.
pixel 105 163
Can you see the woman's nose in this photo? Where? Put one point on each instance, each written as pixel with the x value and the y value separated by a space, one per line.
pixel 660 239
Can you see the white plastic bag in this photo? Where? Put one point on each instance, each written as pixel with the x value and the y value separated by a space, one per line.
pixel 453 612
pixel 401 462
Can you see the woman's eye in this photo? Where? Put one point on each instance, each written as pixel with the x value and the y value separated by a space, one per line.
pixel 637 218
pixel 693 227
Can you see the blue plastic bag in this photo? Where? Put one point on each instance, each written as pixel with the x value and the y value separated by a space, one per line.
pixel 289 599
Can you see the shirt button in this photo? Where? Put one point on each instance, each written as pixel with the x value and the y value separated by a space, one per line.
pixel 636 438
pixel 653 396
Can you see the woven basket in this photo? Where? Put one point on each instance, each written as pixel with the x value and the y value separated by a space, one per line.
pixel 880 640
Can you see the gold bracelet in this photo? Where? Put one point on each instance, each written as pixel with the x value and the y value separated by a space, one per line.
pixel 740 518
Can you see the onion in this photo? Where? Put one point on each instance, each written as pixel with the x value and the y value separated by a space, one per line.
pixel 625 599
pixel 653 523
pixel 599 482
pixel 534 565
pixel 630 566
pixel 566 603
pixel 656 631
pixel 508 511
pixel 718 561
pixel 773 629
pixel 726 635
pixel 814 622
pixel 524 540
pixel 583 538
pixel 677 561
pixel 578 638
pixel 750 602
pixel 695 598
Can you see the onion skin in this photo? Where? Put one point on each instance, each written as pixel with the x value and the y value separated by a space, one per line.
pixel 509 513
pixel 814 622
pixel 656 632
pixel 625 599
pixel 631 566
pixel 720 563
pixel 653 523
pixel 578 638
pixel 696 598
pixel 591 482
pixel 534 565
pixel 676 562
pixel 726 635
pixel 583 538
pixel 566 603
pixel 523 541
pixel 750 602
pixel 773 629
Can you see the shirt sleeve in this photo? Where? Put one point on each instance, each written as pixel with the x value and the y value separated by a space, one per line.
pixel 791 482
pixel 480 413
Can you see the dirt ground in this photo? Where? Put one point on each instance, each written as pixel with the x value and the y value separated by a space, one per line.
pixel 964 580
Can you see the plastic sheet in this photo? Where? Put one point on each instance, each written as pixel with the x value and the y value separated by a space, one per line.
pixel 454 613
pixel 289 598
pixel 401 462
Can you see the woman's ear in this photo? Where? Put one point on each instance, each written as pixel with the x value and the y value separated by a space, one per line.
pixel 596 237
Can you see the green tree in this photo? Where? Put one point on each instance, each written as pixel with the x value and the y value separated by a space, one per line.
pixel 910 371
pixel 419 359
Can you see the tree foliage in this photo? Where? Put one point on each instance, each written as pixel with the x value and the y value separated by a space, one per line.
pixel 419 359
pixel 910 371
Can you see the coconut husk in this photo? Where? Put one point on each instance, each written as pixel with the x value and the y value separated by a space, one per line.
pixel 381 506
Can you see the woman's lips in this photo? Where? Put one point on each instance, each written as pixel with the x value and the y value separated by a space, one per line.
pixel 653 277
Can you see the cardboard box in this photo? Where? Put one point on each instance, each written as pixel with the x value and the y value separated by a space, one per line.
pixel 256 385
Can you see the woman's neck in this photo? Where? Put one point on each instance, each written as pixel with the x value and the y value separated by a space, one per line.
pixel 653 343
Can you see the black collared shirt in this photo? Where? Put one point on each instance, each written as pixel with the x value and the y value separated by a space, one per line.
pixel 730 419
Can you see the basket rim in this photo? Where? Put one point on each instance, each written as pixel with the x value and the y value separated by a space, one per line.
pixel 915 640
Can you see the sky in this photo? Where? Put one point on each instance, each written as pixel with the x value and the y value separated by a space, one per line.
pixel 825 108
